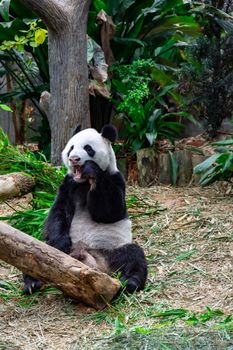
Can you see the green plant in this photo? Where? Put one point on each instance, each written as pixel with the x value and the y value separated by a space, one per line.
pixel 24 64
pixel 5 107
pixel 31 221
pixel 206 76
pixel 47 178
pixel 34 37
pixel 13 159
pixel 143 102
pixel 23 47
pixel 155 124
pixel 143 28
pixel 218 167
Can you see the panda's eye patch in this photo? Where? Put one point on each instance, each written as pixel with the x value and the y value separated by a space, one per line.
pixel 89 150
pixel 71 148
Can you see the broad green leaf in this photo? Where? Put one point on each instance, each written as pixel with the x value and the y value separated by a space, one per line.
pixel 210 176
pixel 223 149
pixel 222 158
pixel 99 5
pixel 120 86
pixel 21 11
pixel 151 137
pixel 226 25
pixel 126 4
pixel 127 41
pixel 223 143
pixel 136 145
pixel 185 24
pixel 206 164
pixel 148 106
pixel 155 115
pixel 4 9
pixel 136 9
pixel 166 89
pixel 113 7
pixel 133 33
pixel 163 77
pixel 228 163
pixel 174 168
pixel 8 30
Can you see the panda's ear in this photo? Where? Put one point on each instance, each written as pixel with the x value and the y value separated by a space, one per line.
pixel 78 128
pixel 109 132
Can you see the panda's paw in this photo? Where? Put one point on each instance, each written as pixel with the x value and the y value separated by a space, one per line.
pixel 130 285
pixel 91 171
pixel 31 285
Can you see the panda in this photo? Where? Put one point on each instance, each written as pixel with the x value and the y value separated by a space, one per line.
pixel 89 219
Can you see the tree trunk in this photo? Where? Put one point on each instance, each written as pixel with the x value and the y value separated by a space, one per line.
pixel 68 100
pixel 48 264
pixel 15 184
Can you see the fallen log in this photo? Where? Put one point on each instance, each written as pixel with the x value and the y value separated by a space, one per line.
pixel 15 184
pixel 48 264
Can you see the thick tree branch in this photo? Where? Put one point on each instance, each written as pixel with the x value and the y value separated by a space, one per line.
pixel 54 13
pixel 46 263
pixel 81 8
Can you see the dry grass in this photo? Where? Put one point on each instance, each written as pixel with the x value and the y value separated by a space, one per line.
pixel 190 246
pixel 187 234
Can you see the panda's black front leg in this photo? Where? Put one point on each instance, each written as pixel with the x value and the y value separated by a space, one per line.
pixel 106 198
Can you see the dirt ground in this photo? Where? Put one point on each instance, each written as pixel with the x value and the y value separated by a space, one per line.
pixel 187 234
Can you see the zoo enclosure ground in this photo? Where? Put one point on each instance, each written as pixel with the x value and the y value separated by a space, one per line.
pixel 187 234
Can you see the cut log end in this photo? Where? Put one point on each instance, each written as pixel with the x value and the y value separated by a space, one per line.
pixel 15 184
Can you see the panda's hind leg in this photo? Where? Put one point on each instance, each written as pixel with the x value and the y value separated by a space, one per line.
pixel 31 284
pixel 130 261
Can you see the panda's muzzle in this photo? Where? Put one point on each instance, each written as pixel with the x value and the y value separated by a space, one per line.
pixel 76 168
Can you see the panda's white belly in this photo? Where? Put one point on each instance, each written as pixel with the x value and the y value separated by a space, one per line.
pixel 99 235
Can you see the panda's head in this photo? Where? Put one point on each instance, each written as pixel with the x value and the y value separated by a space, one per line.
pixel 89 144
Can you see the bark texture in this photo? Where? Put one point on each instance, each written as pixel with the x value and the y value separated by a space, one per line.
pixel 196 159
pixel 164 168
pixel 69 98
pixel 146 163
pixel 185 168
pixel 15 184
pixel 48 264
